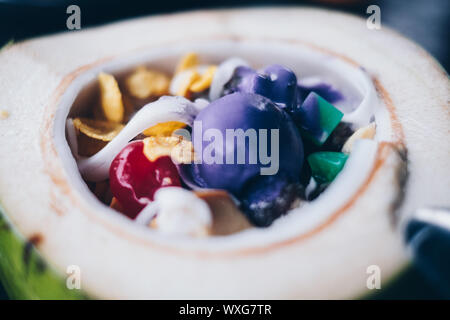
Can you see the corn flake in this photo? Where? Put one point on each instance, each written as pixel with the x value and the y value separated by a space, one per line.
pixel 204 81
pixel 189 78
pixel 97 129
pixel 180 150
pixel 111 98
pixel 164 129
pixel 189 60
pixel 143 83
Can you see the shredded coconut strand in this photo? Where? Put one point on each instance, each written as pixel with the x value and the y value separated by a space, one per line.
pixel 96 167
pixel 223 74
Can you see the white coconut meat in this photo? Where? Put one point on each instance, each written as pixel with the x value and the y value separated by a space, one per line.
pixel 321 250
pixel 72 137
pixel 223 74
pixel 187 216
pixel 96 167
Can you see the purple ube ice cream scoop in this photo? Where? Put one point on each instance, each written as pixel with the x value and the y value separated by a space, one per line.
pixel 239 120
pixel 275 82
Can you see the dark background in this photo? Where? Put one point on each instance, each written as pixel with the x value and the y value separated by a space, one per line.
pixel 425 21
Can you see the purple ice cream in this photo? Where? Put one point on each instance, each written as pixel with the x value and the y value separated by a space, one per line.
pixel 247 112
pixel 275 82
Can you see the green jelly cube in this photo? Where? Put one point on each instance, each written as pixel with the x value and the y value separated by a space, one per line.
pixel 318 130
pixel 326 165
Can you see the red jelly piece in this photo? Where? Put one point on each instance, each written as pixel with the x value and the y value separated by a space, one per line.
pixel 134 179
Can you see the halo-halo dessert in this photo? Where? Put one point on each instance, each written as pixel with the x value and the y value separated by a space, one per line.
pixel 321 248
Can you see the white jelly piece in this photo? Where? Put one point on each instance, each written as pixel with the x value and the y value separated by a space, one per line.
pixel 188 215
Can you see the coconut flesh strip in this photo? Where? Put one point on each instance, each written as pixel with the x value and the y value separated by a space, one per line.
pixel 200 104
pixel 96 167
pixel 223 74
pixel 72 137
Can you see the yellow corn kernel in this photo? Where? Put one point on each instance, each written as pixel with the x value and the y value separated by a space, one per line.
pixel 111 98
pixel 188 61
pixel 204 81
